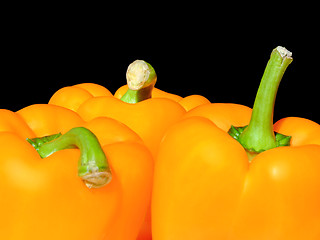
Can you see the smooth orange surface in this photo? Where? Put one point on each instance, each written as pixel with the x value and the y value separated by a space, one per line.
pixel 11 122
pixel 149 118
pixel 73 96
pixel 205 187
pixel 94 89
pixel 193 101
pixel 303 131
pixel 45 198
pixel 223 114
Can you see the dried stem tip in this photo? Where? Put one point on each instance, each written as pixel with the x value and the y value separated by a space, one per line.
pixel 140 74
pixel 284 52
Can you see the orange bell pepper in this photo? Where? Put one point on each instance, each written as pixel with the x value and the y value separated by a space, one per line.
pixel 149 117
pixel 91 100
pixel 73 96
pixel 216 180
pixel 44 198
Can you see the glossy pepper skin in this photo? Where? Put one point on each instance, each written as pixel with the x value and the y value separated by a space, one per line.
pixel 148 117
pixel 206 187
pixel 72 97
pixel 44 198
pixel 204 182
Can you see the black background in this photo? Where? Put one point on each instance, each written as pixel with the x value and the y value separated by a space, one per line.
pixel 221 57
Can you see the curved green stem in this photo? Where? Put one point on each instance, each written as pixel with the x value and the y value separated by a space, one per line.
pixel 93 167
pixel 259 136
pixel 141 79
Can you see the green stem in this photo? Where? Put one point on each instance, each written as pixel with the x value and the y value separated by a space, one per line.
pixel 93 167
pixel 259 135
pixel 141 79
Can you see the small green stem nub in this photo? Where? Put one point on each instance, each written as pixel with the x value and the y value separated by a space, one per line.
pixel 93 166
pixel 141 79
pixel 259 135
